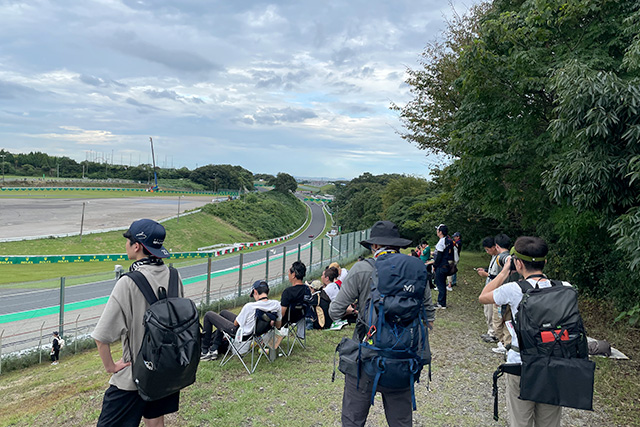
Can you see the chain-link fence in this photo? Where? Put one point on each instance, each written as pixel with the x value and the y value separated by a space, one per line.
pixel 76 303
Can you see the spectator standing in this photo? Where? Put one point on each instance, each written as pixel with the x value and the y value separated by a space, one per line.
pixel 385 238
pixel 489 246
pixel 457 247
pixel 122 319
pixel 55 348
pixel 443 257
pixel 529 259
pixel 502 245
pixel 425 256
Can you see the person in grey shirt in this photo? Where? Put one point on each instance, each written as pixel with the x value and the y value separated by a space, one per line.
pixel 385 238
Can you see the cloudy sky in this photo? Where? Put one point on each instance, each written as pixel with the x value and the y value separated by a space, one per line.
pixel 292 86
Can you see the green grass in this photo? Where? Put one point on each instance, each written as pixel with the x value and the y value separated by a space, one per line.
pixel 328 222
pixel 298 391
pixel 49 193
pixel 193 231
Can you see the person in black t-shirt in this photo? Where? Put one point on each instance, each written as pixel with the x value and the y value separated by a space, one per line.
pixel 296 293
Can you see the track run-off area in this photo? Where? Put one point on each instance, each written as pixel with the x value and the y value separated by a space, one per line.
pixel 28 315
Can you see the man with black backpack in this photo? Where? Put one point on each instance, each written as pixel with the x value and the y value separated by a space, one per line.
pixel 547 362
pixel 370 284
pixel 122 319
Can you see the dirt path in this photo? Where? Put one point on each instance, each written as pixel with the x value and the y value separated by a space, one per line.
pixel 463 366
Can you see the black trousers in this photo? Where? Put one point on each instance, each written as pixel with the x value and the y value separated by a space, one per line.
pixel 398 408
pixel 222 322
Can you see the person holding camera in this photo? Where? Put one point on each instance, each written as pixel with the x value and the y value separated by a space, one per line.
pixel 443 257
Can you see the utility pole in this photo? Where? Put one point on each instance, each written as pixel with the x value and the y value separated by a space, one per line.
pixel 3 156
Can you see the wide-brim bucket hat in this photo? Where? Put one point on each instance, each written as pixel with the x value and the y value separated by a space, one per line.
pixel 385 233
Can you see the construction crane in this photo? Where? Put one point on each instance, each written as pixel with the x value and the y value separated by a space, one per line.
pixel 155 175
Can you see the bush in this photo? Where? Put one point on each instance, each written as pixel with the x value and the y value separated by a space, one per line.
pixel 264 215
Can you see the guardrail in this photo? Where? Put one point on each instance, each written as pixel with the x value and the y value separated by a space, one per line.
pixel 144 190
pixel 27 330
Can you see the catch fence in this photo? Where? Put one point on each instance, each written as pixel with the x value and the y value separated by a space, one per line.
pixel 212 283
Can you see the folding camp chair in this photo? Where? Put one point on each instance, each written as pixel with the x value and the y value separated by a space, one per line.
pixel 296 323
pixel 242 345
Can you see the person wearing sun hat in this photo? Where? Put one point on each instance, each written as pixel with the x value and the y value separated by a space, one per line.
pixel 384 238
pixel 122 320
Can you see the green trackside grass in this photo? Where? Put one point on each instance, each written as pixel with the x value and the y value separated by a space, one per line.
pixel 192 231
pixel 298 391
pixel 49 193
pixel 328 222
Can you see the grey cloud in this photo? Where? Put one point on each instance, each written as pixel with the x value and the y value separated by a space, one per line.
pixel 343 56
pixel 142 108
pixel 130 44
pixel 362 73
pixel 345 88
pixel 355 109
pixel 274 116
pixel 268 79
pixel 171 94
pixel 9 90
pixel 99 81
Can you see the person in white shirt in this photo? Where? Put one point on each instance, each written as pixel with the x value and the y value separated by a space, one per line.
pixel 342 273
pixel 528 258
pixel 329 276
pixel 228 322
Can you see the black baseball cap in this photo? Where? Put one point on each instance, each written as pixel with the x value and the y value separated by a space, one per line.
pixel 261 286
pixel 149 234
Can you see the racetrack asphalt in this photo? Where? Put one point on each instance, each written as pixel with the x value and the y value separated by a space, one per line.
pixel 47 217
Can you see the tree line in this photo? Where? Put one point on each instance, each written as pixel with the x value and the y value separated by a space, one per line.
pixel 536 106
pixel 208 178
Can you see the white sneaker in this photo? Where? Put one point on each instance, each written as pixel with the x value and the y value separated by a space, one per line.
pixel 211 355
pixel 449 288
pixel 500 349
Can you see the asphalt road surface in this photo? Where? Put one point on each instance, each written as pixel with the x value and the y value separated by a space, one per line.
pixel 46 217
pixel 21 300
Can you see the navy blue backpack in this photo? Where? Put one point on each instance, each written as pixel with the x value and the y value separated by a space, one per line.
pixel 396 344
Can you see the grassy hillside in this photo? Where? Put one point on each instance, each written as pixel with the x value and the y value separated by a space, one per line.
pixel 257 217
pixel 264 215
pixel 298 391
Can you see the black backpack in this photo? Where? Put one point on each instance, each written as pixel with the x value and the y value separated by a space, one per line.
pixel 395 346
pixel 553 347
pixel 168 358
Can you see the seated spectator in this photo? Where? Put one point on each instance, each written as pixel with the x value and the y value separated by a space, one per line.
pixel 331 287
pixel 320 301
pixel 228 322
pixel 342 273
pixel 297 293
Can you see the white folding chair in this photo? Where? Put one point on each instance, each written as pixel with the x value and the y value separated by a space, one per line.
pixel 242 345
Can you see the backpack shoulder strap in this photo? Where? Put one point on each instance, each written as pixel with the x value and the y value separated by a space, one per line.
pixel 144 286
pixel 556 283
pixel 174 286
pixel 524 285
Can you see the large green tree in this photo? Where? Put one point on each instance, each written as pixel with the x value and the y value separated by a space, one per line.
pixel 536 101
